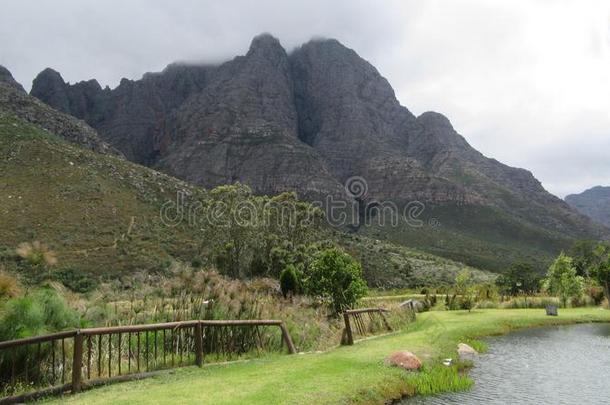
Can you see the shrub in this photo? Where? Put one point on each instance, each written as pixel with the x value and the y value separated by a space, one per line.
pixel 9 286
pixel 36 254
pixel 41 312
pixel 289 281
pixel 75 280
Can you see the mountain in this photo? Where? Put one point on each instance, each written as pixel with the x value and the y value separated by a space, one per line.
pixel 16 102
pixel 100 213
pixel 594 203
pixel 311 121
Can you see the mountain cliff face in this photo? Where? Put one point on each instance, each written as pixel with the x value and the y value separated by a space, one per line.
pixel 14 101
pixel 311 120
pixel 595 203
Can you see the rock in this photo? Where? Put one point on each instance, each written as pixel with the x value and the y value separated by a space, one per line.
pixel 404 359
pixel 18 103
pixel 466 352
pixel 7 78
pixel 551 310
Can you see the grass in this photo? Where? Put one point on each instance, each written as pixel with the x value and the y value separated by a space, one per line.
pixel 353 374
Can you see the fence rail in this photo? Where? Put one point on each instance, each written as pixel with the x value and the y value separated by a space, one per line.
pixel 362 321
pixel 73 360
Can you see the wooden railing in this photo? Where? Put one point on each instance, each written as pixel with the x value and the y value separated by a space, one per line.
pixel 364 321
pixel 71 361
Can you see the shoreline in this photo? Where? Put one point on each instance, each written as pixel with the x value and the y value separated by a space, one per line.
pixel 354 374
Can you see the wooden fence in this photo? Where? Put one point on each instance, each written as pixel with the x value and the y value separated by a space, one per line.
pixel 74 360
pixel 364 321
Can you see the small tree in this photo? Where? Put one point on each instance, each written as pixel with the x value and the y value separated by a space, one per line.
pixel 520 278
pixel 562 279
pixel 601 270
pixel 289 281
pixel 336 276
pixel 465 289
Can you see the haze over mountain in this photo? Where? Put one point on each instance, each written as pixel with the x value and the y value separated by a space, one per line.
pixel 594 203
pixel 309 121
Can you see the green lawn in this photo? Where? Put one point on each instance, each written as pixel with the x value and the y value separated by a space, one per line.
pixel 342 375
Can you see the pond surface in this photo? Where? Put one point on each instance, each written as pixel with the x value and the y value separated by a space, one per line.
pixel 558 365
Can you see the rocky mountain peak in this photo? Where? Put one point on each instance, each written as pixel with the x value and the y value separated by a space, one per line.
pixel 435 120
pixel 50 87
pixel 7 78
pixel 267 46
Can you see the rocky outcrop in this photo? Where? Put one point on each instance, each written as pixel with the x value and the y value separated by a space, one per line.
pixel 7 78
pixel 309 121
pixel 16 102
pixel 595 203
pixel 404 359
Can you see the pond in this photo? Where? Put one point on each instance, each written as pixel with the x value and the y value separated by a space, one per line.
pixel 558 365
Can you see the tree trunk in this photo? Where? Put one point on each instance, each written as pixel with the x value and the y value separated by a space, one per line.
pixel 607 292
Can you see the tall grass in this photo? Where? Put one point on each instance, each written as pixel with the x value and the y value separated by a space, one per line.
pixel 435 379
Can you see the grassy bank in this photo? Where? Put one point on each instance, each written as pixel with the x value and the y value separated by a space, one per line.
pixel 345 374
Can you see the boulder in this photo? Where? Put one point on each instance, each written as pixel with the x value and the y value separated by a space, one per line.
pixel 404 359
pixel 466 352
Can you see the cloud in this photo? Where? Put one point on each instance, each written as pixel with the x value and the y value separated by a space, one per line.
pixel 527 83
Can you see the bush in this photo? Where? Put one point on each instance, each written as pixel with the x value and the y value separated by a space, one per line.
pixel 75 280
pixel 336 276
pixel 9 286
pixel 289 281
pixel 42 312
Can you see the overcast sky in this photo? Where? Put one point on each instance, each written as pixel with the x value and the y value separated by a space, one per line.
pixel 527 83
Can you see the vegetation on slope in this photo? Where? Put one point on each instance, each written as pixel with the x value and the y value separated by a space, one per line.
pixel 101 216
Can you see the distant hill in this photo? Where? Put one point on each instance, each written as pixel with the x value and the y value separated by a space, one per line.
pixel 309 121
pixel 594 203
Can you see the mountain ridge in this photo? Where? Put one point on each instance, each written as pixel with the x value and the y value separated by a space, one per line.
pixel 311 120
pixel 594 202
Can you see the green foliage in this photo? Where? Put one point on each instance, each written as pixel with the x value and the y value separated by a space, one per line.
pixel 521 278
pixel 336 276
pixel 75 280
pixel 562 279
pixel 435 379
pixel 465 290
pixel 289 281
pixel 601 270
pixel 584 256
pixel 42 312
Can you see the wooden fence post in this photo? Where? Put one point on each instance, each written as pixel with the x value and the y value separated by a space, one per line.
pixel 77 362
pixel 385 320
pixel 287 339
pixel 198 344
pixel 348 329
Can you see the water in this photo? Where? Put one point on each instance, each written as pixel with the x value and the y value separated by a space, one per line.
pixel 559 365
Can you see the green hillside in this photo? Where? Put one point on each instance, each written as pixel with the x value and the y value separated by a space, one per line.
pixel 100 214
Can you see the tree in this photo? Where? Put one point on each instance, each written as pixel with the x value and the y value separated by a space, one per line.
pixel 562 279
pixel 289 281
pixel 583 254
pixel 465 289
pixel 336 276
pixel 601 270
pixel 521 278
